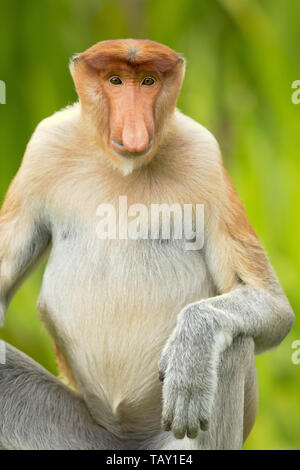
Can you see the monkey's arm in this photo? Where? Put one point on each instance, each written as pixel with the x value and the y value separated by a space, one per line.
pixel 23 237
pixel 250 303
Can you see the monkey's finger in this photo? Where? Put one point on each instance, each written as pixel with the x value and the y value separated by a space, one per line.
pixel 169 402
pixel 161 375
pixel 193 416
pixel 162 367
pixel 179 426
pixel 204 424
pixel 204 413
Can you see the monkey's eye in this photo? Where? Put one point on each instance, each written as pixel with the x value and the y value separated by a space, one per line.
pixel 148 81
pixel 116 81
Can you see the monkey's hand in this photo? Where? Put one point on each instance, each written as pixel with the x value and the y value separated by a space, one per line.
pixel 188 369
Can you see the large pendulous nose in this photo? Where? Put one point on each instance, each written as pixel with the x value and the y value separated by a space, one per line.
pixel 135 137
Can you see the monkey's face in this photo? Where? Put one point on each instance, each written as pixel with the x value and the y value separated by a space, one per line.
pixel 128 90
pixel 132 97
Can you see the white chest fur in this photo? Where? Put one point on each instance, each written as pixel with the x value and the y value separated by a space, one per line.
pixel 112 305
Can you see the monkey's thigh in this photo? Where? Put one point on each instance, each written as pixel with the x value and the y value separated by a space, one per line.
pixel 234 409
pixel 38 412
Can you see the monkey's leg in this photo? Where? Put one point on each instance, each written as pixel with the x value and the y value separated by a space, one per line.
pixel 236 399
pixel 234 407
pixel 38 412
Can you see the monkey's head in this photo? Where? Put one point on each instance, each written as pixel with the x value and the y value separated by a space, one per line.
pixel 128 91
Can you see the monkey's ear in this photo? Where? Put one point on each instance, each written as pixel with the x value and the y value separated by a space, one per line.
pixel 181 59
pixel 74 61
pixel 75 58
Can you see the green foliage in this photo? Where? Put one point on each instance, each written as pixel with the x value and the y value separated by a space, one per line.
pixel 242 57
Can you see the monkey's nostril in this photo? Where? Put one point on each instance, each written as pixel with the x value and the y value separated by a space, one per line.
pixel 118 144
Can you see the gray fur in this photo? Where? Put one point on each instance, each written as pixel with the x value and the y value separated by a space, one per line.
pixel 132 53
pixel 38 412
pixel 189 364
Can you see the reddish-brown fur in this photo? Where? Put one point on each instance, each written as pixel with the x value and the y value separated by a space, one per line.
pixel 139 55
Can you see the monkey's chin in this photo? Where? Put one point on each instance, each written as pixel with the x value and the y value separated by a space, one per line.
pixel 127 162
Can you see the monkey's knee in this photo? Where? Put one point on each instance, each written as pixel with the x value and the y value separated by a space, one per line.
pixel 238 358
pixel 237 372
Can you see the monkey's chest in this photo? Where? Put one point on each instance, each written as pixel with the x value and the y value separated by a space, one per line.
pixel 111 308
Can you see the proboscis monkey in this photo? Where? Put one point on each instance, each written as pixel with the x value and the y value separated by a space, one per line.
pixel 125 312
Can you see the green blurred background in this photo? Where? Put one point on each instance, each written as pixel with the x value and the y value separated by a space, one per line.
pixel 242 57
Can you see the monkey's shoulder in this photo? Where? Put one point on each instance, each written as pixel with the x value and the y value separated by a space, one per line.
pixel 56 134
pixel 195 140
pixel 194 151
pixel 61 120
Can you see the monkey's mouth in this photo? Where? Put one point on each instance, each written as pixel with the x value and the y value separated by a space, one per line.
pixel 120 149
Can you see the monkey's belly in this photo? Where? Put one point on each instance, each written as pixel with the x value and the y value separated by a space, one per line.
pixel 111 318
